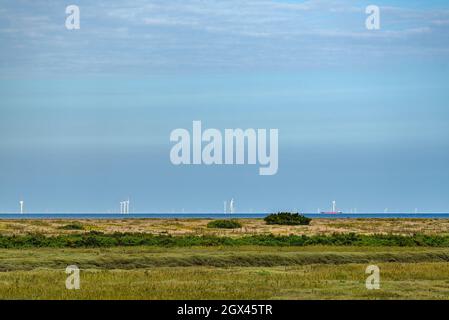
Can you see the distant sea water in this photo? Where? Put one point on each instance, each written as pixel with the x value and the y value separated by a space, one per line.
pixel 214 215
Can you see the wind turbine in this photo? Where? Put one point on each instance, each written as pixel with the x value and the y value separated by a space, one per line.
pixel 231 206
pixel 127 206
pixel 21 202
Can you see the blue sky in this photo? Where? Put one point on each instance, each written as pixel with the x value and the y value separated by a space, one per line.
pixel 85 115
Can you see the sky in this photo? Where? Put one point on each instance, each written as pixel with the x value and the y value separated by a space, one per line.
pixel 86 115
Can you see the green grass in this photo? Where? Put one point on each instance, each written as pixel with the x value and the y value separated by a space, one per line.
pixel 225 272
pixel 398 281
pixel 254 256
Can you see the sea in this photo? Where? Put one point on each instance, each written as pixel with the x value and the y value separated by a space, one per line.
pixel 75 216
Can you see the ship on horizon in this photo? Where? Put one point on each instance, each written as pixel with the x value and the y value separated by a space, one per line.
pixel 334 209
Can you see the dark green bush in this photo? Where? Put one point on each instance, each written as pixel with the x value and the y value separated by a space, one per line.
pixel 287 218
pixel 224 224
pixel 73 226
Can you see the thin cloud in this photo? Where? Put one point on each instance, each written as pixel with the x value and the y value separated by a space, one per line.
pixel 198 35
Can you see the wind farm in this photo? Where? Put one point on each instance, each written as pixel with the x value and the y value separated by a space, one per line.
pixel 229 207
pixel 124 207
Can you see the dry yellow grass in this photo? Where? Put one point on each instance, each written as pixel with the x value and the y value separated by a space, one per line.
pixel 250 226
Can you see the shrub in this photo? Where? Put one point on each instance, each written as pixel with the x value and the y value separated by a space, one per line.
pixel 224 224
pixel 98 239
pixel 73 226
pixel 287 218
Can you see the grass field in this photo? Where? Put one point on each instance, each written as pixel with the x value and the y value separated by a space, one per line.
pixel 227 257
pixel 226 272
pixel 250 227
pixel 323 281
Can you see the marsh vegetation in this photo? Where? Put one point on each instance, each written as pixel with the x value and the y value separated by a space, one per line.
pixel 184 259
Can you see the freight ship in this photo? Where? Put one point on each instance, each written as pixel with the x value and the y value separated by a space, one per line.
pixel 334 209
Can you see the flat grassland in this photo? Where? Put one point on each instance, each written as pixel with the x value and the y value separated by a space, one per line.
pixel 250 227
pixel 226 272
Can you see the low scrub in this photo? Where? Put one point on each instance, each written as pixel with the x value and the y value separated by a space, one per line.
pixel 72 226
pixel 96 239
pixel 287 218
pixel 224 224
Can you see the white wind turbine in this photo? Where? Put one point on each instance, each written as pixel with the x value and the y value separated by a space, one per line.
pixel 21 203
pixel 231 206
pixel 127 206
